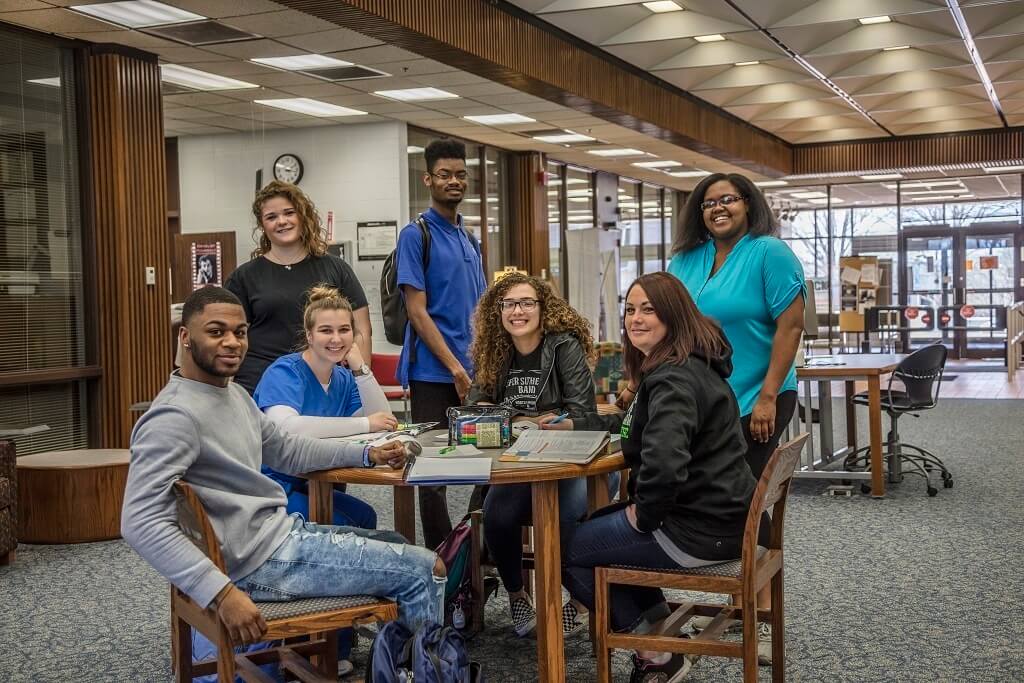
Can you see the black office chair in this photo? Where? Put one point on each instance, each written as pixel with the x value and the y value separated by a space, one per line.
pixel 921 376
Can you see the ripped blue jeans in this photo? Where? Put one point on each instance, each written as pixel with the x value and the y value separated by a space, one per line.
pixel 315 560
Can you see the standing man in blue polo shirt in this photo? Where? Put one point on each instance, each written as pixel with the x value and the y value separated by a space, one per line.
pixel 440 300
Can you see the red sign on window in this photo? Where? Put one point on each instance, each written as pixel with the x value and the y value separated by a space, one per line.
pixel 967 311
pixel 910 312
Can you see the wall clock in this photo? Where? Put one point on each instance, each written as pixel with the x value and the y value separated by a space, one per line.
pixel 288 169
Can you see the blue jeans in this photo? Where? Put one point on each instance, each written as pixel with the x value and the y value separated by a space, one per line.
pixel 348 510
pixel 315 560
pixel 508 507
pixel 610 539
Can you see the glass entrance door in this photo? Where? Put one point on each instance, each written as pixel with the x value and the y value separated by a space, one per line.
pixel 989 279
pixel 929 282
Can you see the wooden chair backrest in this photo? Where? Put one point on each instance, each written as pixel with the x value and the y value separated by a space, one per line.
pixel 772 490
pixel 193 520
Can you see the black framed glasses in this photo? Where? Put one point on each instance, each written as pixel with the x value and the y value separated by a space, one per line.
pixel 446 176
pixel 724 200
pixel 525 305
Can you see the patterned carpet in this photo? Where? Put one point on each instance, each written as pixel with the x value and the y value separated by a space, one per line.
pixel 909 588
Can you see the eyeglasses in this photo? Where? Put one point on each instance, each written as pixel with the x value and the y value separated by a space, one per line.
pixel 724 200
pixel 526 305
pixel 446 176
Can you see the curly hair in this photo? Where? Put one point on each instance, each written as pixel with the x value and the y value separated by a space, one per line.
pixel 491 349
pixel 314 237
pixel 691 231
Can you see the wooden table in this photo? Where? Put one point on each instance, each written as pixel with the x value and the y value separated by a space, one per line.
pixel 71 496
pixel 547 548
pixel 856 366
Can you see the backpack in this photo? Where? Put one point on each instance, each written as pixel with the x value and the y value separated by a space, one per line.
pixel 392 305
pixel 456 553
pixel 434 654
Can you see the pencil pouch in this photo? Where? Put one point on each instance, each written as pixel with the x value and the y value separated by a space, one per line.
pixel 480 426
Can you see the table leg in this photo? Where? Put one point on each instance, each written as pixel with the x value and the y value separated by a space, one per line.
pixel 597 492
pixel 321 502
pixel 875 424
pixel 825 426
pixel 548 570
pixel 405 512
pixel 851 415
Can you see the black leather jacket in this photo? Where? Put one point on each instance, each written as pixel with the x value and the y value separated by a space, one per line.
pixel 567 384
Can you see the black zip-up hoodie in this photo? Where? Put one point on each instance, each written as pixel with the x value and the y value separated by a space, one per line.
pixel 682 440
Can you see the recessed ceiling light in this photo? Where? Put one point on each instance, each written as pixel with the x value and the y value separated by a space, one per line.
pixel 52 82
pixel 657 164
pixel 824 200
pixel 1003 169
pixel 617 152
pixel 809 195
pixel 417 94
pixel 663 6
pixel 304 105
pixel 946 190
pixel 695 173
pixel 200 80
pixel 564 138
pixel 771 183
pixel 301 62
pixel 933 198
pixel 882 19
pixel 713 38
pixel 748 63
pixel 414 149
pixel 882 176
pixel 137 13
pixel 897 47
pixel 499 119
pixel 927 184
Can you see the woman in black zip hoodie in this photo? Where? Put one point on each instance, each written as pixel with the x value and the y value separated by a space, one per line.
pixel 689 485
pixel 531 352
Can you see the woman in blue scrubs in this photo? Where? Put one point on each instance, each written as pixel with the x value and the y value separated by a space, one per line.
pixel 728 255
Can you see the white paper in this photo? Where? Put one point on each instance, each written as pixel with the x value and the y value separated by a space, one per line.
pixel 869 274
pixel 548 442
pixel 850 275
pixel 460 451
pixel 450 470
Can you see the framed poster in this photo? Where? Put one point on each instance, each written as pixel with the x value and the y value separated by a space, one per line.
pixel 376 239
pixel 207 265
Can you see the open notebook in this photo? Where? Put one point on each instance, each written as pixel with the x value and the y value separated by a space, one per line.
pixel 542 445
pixel 437 471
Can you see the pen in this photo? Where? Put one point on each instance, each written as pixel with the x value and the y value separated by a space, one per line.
pixel 446 450
pixel 559 419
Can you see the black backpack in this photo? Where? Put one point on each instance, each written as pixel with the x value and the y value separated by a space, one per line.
pixel 392 305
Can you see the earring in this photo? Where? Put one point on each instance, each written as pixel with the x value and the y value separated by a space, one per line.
pixel 188 346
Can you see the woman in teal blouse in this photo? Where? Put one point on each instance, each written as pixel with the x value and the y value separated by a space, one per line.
pixel 728 255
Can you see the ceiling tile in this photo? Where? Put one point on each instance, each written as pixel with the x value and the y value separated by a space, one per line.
pixel 56 20
pixel 826 11
pixel 726 52
pixel 805 108
pixel 905 117
pixel 755 75
pixel 673 25
pixel 836 134
pixel 334 40
pixel 881 62
pixel 878 36
pixel 282 23
pixel 925 98
pixel 372 56
pixel 785 92
pixel 909 81
pixel 250 49
pixel 948 126
pixel 597 25
pixel 218 9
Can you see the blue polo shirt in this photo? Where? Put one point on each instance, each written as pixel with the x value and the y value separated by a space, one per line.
pixel 289 381
pixel 758 281
pixel 453 282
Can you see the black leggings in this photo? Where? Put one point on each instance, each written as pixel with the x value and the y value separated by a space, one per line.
pixel 757 452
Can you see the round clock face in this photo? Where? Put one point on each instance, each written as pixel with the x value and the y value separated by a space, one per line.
pixel 288 168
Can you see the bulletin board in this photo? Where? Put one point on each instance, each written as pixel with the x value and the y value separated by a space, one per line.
pixel 859 280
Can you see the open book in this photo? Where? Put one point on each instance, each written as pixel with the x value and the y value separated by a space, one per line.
pixel 543 445
pixel 438 471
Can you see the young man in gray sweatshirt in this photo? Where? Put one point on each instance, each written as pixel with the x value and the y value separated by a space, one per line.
pixel 207 431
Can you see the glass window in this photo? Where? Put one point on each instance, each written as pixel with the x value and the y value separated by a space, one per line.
pixel 497 235
pixel 579 190
pixel 869 229
pixel 651 227
pixel 804 226
pixel 629 233
pixel 556 214
pixel 42 304
pixel 419 194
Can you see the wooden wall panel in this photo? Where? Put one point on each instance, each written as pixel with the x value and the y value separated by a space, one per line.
pixel 522 53
pixel 528 212
pixel 907 152
pixel 129 223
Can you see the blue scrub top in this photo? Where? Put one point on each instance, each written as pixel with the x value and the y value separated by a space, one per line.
pixel 758 281
pixel 289 381
pixel 454 282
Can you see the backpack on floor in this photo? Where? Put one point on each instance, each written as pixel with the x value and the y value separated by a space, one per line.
pixel 392 305
pixel 434 654
pixel 456 551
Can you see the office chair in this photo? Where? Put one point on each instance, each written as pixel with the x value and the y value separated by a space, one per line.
pixel 921 375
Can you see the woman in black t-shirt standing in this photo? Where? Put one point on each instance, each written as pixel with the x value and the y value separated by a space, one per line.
pixel 290 259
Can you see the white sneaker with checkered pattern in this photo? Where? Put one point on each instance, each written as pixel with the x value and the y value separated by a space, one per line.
pixel 524 616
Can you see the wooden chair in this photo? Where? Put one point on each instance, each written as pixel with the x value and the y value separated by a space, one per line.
pixel 318 618
pixel 742 578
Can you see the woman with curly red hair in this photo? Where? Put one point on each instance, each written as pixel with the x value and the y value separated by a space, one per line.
pixel 532 353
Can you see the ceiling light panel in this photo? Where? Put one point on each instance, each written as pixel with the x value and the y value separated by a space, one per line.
pixel 882 19
pixel 809 195
pixel 657 164
pixel 896 47
pixel 882 176
pixel 304 105
pixel 564 138
pixel 500 119
pixel 712 38
pixel 301 62
pixel 617 152
pixel 200 80
pixel 696 173
pixel 771 183
pixel 137 13
pixel 417 94
pixel 53 82
pixel 663 6
pixel 1003 169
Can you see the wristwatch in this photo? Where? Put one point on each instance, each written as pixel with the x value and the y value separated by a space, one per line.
pixel 366 456
pixel 362 371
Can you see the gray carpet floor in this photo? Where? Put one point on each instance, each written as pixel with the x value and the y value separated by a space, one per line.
pixel 908 588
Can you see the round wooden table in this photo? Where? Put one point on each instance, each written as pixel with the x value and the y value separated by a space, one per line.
pixel 547 549
pixel 71 496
